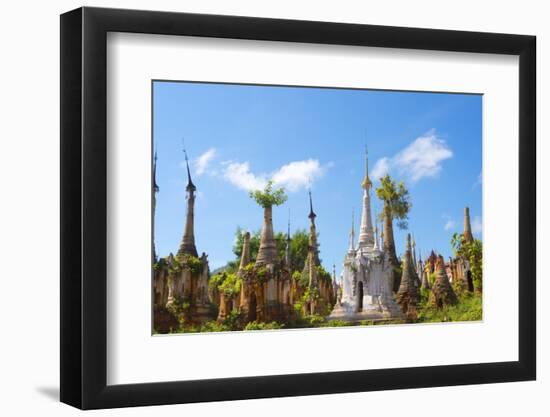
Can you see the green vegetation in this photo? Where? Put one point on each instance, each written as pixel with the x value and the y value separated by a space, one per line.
pixel 469 308
pixel 269 197
pixel 473 253
pixel 298 248
pixel 397 205
pixel 253 325
pixel 181 310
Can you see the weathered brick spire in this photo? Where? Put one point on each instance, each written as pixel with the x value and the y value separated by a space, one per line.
pixel 407 295
pixel 313 232
pixel 245 255
pixel 366 232
pixel 267 254
pixel 468 237
pixel 187 245
pixel 442 292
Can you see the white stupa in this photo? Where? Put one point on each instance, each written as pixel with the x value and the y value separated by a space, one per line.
pixel 366 278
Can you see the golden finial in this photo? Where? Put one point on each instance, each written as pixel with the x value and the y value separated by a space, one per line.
pixel 366 184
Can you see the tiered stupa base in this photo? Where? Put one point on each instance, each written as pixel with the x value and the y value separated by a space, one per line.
pixel 348 312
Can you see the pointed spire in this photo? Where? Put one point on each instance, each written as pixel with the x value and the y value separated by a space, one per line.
pixel 442 291
pixel 245 255
pixel 312 214
pixel 366 233
pixel 407 295
pixel 468 237
pixel 313 232
pixel 155 185
pixel 190 186
pixel 366 184
pixel 352 233
pixel 187 245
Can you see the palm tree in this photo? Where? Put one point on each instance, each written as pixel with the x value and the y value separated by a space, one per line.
pixel 396 206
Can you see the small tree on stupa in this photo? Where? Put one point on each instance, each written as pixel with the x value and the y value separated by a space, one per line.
pixel 267 198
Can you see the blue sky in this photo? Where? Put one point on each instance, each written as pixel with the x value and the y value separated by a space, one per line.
pixel 237 136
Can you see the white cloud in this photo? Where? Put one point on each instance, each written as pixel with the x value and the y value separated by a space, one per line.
pixel 298 174
pixel 450 225
pixel 422 158
pixel 381 168
pixel 202 162
pixel 293 176
pixel 240 176
pixel 477 225
pixel 479 180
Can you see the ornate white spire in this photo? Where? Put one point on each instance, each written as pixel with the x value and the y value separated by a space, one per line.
pixel 366 233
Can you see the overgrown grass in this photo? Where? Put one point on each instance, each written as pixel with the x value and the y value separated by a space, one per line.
pixel 469 308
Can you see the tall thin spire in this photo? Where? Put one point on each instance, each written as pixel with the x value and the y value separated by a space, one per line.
pixel 155 185
pixel 352 232
pixel 367 183
pixel 245 255
pixel 190 185
pixel 366 232
pixel 468 237
pixel 312 214
pixel 313 231
pixel 187 245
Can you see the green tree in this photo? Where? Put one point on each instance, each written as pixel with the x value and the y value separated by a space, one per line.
pixel 397 205
pixel 299 241
pixel 254 244
pixel 269 197
pixel 472 251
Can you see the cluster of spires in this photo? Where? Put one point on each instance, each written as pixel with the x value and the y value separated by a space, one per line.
pixel 368 236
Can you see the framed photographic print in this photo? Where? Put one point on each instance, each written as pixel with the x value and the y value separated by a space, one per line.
pixel 258 207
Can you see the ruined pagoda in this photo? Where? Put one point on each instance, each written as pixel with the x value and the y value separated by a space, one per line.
pixel 408 294
pixel 442 291
pixel 468 237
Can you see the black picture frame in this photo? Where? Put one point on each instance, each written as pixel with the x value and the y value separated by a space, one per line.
pixel 84 207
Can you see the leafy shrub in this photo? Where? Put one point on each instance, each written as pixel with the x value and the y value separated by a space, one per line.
pixel 469 308
pixel 338 323
pixel 190 262
pixel 253 325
